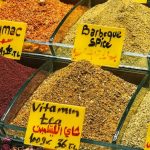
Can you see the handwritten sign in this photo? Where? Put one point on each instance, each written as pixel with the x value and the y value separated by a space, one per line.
pixel 55 126
pixel 147 143
pixel 12 38
pixel 140 1
pixel 98 44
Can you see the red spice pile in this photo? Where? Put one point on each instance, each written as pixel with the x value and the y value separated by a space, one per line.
pixel 41 20
pixel 12 77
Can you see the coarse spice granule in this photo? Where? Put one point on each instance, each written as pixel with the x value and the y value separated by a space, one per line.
pixel 104 95
pixel 132 16
pixel 136 130
pixel 12 77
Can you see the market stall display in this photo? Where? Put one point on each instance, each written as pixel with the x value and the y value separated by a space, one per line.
pixel 104 95
pixel 13 75
pixel 118 13
pixel 109 97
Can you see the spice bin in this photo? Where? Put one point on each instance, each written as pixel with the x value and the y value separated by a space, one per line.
pixel 36 46
pixel 124 15
pixel 133 77
pixel 39 72
pixel 41 20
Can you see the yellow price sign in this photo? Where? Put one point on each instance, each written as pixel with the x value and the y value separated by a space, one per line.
pixel 12 38
pixel 140 1
pixel 147 143
pixel 98 44
pixel 55 126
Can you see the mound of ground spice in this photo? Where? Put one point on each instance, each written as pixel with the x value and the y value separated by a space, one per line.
pixel 133 16
pixel 12 77
pixel 136 131
pixel 42 20
pixel 104 95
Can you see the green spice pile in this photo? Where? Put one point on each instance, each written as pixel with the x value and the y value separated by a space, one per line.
pixel 135 133
pixel 133 16
pixel 104 95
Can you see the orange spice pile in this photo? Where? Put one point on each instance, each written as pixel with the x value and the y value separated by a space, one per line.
pixel 42 20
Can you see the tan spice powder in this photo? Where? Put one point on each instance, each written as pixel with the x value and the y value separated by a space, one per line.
pixel 104 95
pixel 133 16
pixel 135 133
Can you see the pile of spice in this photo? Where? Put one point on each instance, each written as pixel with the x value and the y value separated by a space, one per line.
pixel 12 75
pixel 42 20
pixel 104 95
pixel 118 13
pixel 135 133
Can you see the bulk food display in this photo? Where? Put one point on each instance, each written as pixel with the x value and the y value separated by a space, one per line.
pixel 104 94
pixel 116 100
pixel 135 127
pixel 132 16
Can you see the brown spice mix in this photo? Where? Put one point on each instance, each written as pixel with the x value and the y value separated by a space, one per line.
pixel 104 95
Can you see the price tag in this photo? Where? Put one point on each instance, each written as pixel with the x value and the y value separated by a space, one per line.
pixel 55 126
pixel 140 1
pixel 12 38
pixel 147 143
pixel 98 44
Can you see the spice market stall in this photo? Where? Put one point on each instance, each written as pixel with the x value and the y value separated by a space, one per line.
pixel 87 84
pixel 116 99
